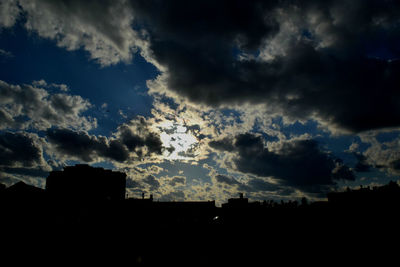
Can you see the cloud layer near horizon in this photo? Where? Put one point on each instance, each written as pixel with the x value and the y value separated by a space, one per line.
pixel 298 163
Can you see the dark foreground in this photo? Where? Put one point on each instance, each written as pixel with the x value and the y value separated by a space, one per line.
pixel 37 228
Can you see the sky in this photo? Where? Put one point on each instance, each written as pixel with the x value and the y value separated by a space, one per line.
pixel 203 100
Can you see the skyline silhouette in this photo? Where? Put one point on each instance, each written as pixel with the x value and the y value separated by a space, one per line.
pixel 82 184
pixel 83 216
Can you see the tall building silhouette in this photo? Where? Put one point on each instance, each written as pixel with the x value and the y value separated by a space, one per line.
pixel 83 182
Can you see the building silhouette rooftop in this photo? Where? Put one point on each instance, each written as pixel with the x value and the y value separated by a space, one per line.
pixel 83 182
pixel 384 195
pixel 236 202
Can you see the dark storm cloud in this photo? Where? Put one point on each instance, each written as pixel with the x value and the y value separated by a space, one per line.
pixel 89 147
pixel 298 163
pixel 327 58
pixel 136 135
pixel 223 144
pixel 362 165
pixel 395 164
pixel 257 184
pixel 342 171
pixel 84 146
pixel 19 150
pixel 132 141
pixel 21 156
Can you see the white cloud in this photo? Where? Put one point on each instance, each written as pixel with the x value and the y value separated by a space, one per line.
pixel 26 106
pixel 80 24
pixel 9 12
pixel 383 155
pixel 62 87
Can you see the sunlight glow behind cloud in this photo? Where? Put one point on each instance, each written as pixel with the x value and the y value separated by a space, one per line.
pixel 178 141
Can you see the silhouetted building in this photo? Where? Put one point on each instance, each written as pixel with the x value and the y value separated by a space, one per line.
pixel 386 195
pixel 83 182
pixel 186 204
pixel 21 191
pixel 140 202
pixel 2 187
pixel 236 202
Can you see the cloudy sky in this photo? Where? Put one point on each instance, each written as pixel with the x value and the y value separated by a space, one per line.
pixel 201 100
